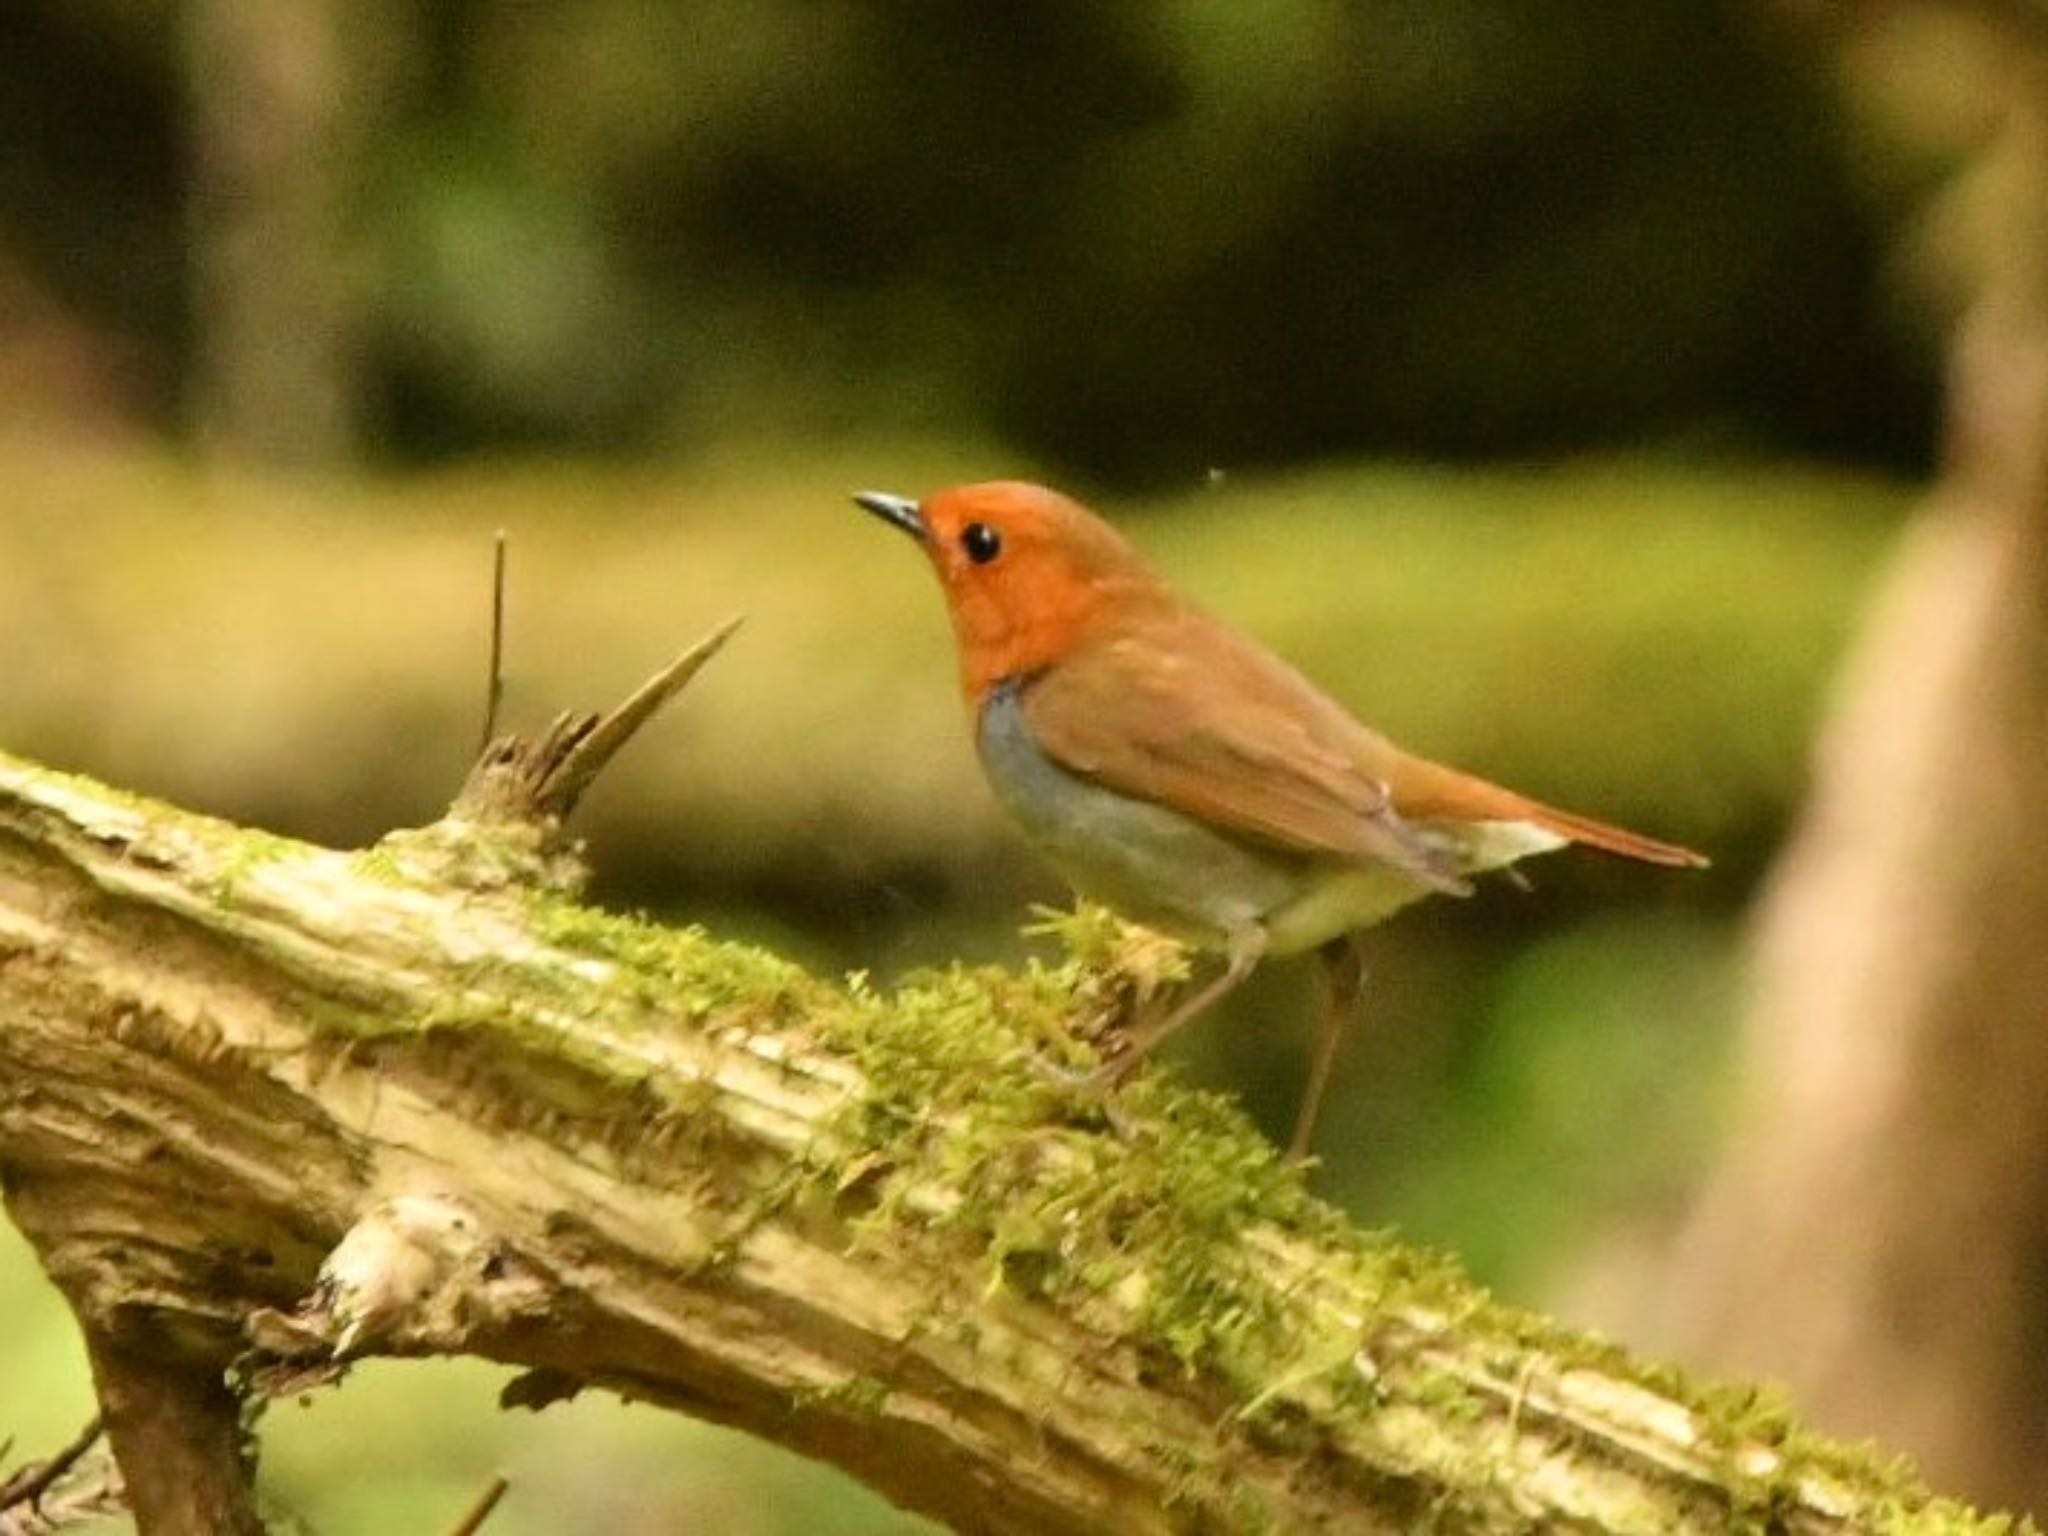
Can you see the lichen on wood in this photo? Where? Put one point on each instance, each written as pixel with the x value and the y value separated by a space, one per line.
pixel 271 1107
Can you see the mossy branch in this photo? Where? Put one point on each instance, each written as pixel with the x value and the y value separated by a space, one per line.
pixel 276 1106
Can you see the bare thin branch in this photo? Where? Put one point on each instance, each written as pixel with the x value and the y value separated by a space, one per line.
pixel 588 756
pixel 37 1478
pixel 536 783
pixel 478 1512
pixel 494 684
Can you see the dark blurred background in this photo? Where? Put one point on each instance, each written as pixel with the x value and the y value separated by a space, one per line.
pixel 1130 242
pixel 1551 380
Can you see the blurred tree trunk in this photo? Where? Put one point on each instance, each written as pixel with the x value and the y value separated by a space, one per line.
pixel 1880 1235
pixel 276 114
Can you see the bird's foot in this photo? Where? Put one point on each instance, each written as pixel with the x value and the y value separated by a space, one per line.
pixel 1095 1085
pixel 1069 1078
pixel 1098 1079
pixel 1301 1160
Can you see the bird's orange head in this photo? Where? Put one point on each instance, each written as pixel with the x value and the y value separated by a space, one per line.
pixel 1028 574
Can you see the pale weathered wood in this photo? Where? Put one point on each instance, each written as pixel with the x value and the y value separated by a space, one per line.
pixel 860 1225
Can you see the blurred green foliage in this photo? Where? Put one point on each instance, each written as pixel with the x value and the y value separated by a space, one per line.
pixel 1582 1108
pixel 1134 241
pixel 1641 640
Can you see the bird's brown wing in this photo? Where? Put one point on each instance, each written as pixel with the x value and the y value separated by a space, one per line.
pixel 1192 716
pixel 1426 791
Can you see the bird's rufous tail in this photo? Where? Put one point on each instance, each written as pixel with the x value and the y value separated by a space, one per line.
pixel 1427 791
pixel 1598 834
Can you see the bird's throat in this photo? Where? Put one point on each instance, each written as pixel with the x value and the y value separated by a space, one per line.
pixel 1013 631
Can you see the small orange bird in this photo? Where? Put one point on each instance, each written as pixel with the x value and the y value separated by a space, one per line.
pixel 1182 774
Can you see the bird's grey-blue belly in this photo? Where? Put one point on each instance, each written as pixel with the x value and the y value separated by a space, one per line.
pixel 1172 872
pixel 1150 863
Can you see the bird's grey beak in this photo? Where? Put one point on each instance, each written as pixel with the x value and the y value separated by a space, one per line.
pixel 899 510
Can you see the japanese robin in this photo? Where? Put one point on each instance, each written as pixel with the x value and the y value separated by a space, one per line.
pixel 1182 774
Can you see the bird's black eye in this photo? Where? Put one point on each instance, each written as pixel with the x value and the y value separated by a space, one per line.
pixel 981 542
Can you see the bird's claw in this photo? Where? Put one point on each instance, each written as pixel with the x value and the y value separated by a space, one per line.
pixel 1072 1079
pixel 1097 1084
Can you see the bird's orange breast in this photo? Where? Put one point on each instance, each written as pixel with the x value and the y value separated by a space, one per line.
pixel 1017 622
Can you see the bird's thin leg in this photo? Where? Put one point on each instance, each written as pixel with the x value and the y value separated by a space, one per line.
pixel 1343 984
pixel 1247 947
